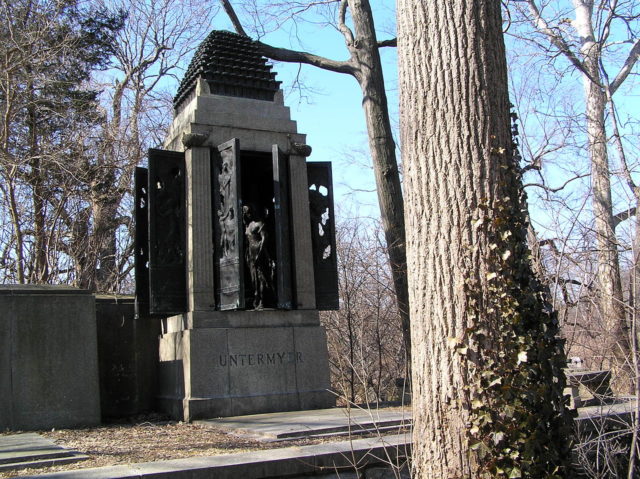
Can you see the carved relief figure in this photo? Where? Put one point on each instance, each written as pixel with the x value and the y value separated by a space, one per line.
pixel 261 265
pixel 226 213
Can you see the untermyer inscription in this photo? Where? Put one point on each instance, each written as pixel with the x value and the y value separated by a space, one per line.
pixel 258 359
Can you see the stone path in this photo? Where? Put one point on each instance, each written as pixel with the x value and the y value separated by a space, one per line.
pixel 18 451
pixel 316 423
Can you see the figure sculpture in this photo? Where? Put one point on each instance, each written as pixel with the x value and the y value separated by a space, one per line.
pixel 261 265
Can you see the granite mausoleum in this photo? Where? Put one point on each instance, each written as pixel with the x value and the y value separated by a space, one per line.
pixel 235 244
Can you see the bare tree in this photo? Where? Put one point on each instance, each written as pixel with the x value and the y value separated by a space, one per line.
pixel 68 155
pixel 156 39
pixel 48 51
pixel 601 37
pixel 366 351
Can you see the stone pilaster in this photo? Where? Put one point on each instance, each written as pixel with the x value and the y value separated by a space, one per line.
pixel 199 229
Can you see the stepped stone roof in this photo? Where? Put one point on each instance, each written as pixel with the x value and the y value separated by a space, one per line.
pixel 232 66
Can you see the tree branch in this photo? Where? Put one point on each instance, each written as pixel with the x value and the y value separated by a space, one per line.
pixel 536 164
pixel 622 75
pixel 555 190
pixel 291 56
pixel 556 39
pixel 391 42
pixel 231 13
pixel 294 56
pixel 342 24
pixel 623 215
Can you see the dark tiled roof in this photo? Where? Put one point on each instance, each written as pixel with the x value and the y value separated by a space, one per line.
pixel 232 66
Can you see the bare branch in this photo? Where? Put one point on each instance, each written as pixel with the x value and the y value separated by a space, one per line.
pixel 391 42
pixel 617 140
pixel 622 75
pixel 623 215
pixel 574 281
pixel 231 13
pixel 555 190
pixel 536 164
pixel 342 24
pixel 556 39
pixel 293 56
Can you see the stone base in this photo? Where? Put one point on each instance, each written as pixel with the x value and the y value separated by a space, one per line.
pixel 281 364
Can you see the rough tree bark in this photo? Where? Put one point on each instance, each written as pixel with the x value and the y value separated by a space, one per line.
pixel 365 66
pixel 486 363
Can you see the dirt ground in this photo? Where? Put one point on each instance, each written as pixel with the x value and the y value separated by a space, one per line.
pixel 147 441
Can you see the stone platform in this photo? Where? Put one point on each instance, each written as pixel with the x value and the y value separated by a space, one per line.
pixel 378 457
pixel 318 423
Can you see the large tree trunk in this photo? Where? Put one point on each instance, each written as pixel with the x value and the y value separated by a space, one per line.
pixel 481 335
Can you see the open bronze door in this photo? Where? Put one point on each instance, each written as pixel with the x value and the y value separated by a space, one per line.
pixel 141 242
pixel 323 235
pixel 167 233
pixel 282 228
pixel 227 226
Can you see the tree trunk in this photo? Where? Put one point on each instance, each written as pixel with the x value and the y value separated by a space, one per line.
pixel 383 154
pixel 39 266
pixel 14 209
pixel 477 316
pixel 611 299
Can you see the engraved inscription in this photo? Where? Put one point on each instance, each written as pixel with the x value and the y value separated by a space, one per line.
pixel 278 358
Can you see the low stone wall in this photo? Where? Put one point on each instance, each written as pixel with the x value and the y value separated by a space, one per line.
pixel 48 358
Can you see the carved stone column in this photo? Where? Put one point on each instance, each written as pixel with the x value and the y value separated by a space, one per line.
pixel 200 285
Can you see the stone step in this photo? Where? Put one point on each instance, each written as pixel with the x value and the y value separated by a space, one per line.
pixel 293 462
pixel 356 429
pixel 380 431
pixel 35 456
pixel 19 451
pixel 42 462
pixel 319 422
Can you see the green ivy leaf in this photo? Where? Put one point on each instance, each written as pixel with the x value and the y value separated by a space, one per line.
pixel 515 473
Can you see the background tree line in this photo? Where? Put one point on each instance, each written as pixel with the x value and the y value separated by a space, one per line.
pixel 82 99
